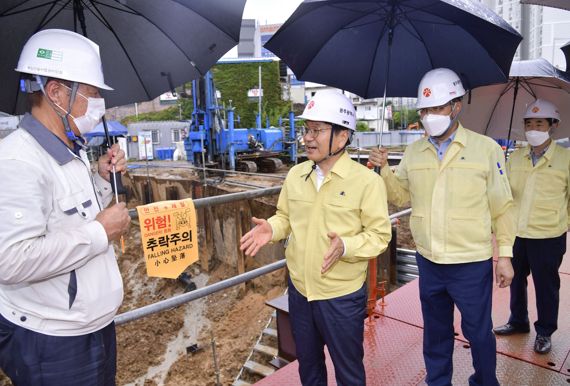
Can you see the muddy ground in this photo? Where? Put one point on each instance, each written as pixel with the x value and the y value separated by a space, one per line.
pixel 157 350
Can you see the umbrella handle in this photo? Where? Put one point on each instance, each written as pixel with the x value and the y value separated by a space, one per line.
pixel 115 179
pixel 117 183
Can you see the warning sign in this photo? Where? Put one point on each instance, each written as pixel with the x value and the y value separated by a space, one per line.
pixel 169 238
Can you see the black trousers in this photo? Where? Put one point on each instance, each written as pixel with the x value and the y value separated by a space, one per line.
pixel 542 258
pixel 31 358
pixel 337 323
pixel 469 286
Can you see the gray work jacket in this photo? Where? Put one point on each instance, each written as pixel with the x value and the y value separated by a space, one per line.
pixel 58 273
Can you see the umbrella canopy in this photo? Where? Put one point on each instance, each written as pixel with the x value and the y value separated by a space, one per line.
pixel 384 47
pixel 497 110
pixel 115 128
pixel 147 46
pixel 562 4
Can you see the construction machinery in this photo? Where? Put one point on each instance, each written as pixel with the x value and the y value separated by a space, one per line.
pixel 214 141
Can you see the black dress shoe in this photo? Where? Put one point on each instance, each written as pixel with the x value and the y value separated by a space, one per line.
pixel 510 329
pixel 542 344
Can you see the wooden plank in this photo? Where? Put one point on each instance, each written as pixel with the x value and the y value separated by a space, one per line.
pixel 239 382
pixel 259 369
pixel 271 332
pixel 239 234
pixel 267 350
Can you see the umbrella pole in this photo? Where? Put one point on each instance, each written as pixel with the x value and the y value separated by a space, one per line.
pixel 377 168
pixel 383 114
pixel 116 183
pixel 390 36
pixel 515 92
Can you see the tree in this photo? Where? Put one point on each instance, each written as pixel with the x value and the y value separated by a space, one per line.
pixel 362 126
pixel 233 80
pixel 411 116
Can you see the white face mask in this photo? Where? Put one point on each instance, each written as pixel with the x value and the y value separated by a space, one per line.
pixel 536 138
pixel 436 125
pixel 95 111
pixel 93 114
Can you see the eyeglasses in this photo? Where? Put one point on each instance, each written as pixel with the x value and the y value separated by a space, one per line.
pixel 433 110
pixel 314 133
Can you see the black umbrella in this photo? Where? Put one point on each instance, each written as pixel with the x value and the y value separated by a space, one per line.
pixel 383 47
pixel 147 46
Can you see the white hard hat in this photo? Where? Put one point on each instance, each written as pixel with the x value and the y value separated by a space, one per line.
pixel 438 87
pixel 542 109
pixel 62 54
pixel 332 107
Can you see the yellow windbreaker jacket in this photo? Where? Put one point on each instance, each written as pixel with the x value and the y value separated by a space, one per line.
pixel 541 192
pixel 351 202
pixel 457 203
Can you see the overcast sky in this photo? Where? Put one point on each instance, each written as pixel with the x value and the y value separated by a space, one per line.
pixel 266 12
pixel 269 11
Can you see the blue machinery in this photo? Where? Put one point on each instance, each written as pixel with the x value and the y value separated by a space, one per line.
pixel 250 150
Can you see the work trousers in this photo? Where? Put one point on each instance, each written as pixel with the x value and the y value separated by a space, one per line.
pixel 337 323
pixel 542 258
pixel 30 358
pixel 469 287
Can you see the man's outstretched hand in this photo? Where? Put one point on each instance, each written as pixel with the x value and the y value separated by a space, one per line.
pixel 256 238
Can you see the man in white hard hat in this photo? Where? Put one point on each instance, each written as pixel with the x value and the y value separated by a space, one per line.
pixel 334 213
pixel 539 175
pixel 60 285
pixel 460 195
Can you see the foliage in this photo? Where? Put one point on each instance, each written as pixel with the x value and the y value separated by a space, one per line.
pixel 362 126
pixel 233 80
pixel 274 113
pixel 410 115
pixel 169 114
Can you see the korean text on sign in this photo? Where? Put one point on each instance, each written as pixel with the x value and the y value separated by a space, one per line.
pixel 168 233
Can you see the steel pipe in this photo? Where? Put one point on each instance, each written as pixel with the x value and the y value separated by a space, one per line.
pixel 178 300
pixel 226 198
pixel 403 213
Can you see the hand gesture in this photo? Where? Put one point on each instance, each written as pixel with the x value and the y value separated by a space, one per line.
pixel 256 238
pixel 114 156
pixel 379 157
pixel 335 252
